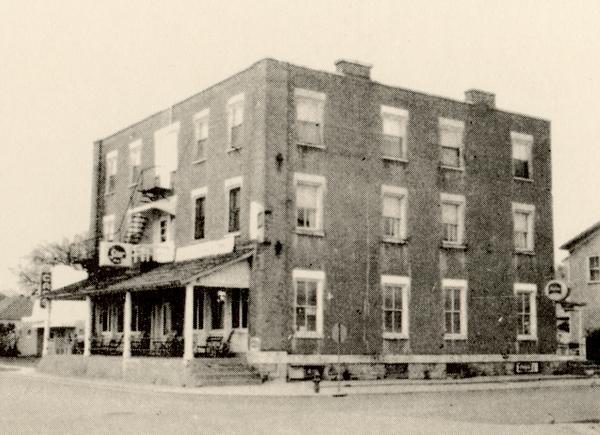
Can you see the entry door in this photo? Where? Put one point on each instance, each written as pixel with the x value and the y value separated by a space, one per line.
pixel 161 320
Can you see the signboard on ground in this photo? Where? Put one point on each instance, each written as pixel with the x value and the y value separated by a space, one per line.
pixel 527 367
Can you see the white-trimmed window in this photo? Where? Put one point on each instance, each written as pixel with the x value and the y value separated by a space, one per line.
pixel 594 268
pixel 135 161
pixel 525 295
pixel 235 121
pixel 451 141
pixel 394 213
pixel 455 309
pixel 453 218
pixel 395 306
pixel 111 171
pixel 309 202
pixel 394 125
pixel 308 303
pixel 108 228
pixel 309 116
pixel 200 135
pixel 199 205
pixel 523 226
pixel 522 151
pixel 233 189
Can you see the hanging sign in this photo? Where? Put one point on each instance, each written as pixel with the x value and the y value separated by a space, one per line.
pixel 115 254
pixel 556 290
pixel 45 282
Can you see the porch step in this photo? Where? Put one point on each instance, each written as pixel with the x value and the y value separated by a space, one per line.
pixel 223 371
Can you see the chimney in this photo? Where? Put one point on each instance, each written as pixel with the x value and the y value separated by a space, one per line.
pixel 477 96
pixel 353 68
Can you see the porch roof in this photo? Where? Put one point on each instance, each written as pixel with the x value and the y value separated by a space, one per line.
pixel 177 274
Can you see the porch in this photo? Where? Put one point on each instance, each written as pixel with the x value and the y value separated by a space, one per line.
pixel 182 309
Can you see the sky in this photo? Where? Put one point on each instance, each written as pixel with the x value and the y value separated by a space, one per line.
pixel 72 72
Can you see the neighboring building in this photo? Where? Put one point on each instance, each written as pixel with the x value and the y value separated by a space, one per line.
pixel 66 328
pixel 283 200
pixel 12 309
pixel 583 277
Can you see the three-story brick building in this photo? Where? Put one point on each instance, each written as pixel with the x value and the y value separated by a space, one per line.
pixel 283 200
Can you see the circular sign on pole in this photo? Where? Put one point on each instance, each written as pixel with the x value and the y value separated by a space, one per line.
pixel 339 333
pixel 556 290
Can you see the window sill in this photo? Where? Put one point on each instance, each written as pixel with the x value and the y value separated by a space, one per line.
pixel 455 337
pixel 112 192
pixel 453 168
pixel 593 282
pixel 395 336
pixel 526 180
pixel 195 162
pixel 395 159
pixel 394 240
pixel 312 233
pixel 132 185
pixel 453 245
pixel 310 145
pixel 309 335
pixel 526 338
pixel 524 252
pixel 232 149
pixel 232 234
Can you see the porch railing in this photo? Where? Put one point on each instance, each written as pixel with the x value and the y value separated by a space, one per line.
pixel 165 347
pixel 102 346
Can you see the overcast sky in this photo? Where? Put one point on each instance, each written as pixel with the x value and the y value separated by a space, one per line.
pixel 75 71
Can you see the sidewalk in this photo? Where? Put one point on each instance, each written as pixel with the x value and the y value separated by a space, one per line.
pixel 328 388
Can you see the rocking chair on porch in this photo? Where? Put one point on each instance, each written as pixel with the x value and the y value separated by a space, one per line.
pixel 217 347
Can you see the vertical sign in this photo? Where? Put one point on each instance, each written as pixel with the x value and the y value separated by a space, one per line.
pixel 45 283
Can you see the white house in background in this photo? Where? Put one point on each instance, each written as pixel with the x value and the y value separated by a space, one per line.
pixel 66 319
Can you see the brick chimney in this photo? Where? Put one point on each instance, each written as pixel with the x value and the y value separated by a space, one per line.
pixel 353 68
pixel 477 96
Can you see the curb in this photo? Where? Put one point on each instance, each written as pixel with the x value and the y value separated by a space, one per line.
pixel 328 388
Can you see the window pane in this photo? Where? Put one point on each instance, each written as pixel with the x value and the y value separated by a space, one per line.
pixel 397 321
pixel 236 136
pixel 594 275
pixel 309 132
pixel 300 293
pixel 398 298
pixel 450 213
pixel 521 168
pixel 449 323
pixel 311 322
pixel 520 221
pixel 300 318
pixel 450 137
pixel 392 146
pixel 521 150
pixel 308 110
pixel 388 297
pixel 311 293
pixel 306 196
pixel 389 321
pixel 234 209
pixel 594 262
pixel 451 157
pixel 199 219
pixel 392 206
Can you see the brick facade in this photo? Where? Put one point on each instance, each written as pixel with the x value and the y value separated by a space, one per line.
pixel 351 251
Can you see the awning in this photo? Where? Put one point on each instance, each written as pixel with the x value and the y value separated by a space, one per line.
pixel 169 275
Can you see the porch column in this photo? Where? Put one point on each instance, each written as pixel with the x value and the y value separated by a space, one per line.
pixel 47 328
pixel 127 326
pixel 188 324
pixel 581 338
pixel 87 330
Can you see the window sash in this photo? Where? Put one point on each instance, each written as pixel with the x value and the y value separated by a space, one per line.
pixel 309 132
pixel 234 209
pixel 451 221
pixel 594 268
pixel 522 230
pixel 393 308
pixel 307 209
pixel 393 146
pixel 453 311
pixel 306 307
pixel 199 218
pixel 451 156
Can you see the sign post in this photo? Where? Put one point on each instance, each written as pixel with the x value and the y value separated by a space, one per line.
pixel 339 334
pixel 45 288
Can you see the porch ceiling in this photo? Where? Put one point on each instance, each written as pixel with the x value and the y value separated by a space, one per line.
pixel 164 276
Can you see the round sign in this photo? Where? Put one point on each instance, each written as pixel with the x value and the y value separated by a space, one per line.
pixel 339 333
pixel 116 254
pixel 556 291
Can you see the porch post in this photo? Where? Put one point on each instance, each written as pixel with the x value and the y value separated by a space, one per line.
pixel 127 326
pixel 47 328
pixel 87 330
pixel 188 324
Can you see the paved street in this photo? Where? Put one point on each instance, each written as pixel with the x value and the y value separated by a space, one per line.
pixel 31 404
